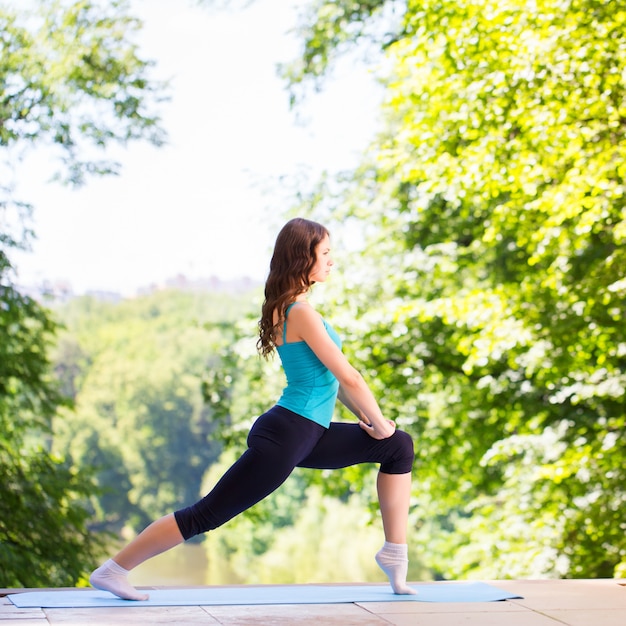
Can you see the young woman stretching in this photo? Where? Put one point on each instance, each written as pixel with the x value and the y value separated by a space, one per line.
pixel 297 431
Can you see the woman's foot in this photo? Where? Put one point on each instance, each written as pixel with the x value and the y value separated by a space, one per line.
pixel 114 578
pixel 393 559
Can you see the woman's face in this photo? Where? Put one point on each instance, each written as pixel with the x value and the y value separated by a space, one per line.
pixel 323 262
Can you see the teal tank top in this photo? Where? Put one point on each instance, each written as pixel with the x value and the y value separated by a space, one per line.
pixel 311 389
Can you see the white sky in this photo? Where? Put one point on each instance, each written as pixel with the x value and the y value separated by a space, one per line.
pixel 209 203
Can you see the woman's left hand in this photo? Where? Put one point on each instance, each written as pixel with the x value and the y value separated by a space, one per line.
pixel 382 431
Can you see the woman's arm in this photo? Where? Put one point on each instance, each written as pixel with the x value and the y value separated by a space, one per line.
pixel 305 324
pixel 344 398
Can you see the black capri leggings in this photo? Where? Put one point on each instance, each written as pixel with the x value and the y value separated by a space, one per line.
pixel 279 441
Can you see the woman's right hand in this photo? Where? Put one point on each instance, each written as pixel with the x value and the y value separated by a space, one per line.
pixel 384 430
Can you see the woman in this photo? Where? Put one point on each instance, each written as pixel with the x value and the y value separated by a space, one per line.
pixel 297 431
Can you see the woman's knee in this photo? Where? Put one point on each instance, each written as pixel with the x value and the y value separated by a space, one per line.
pixel 406 443
pixel 402 456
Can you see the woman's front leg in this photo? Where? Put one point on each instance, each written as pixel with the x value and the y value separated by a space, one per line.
pixel 394 494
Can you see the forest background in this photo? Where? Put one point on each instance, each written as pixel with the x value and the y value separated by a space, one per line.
pixel 484 303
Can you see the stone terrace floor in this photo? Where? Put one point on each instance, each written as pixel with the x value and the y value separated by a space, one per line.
pixel 544 603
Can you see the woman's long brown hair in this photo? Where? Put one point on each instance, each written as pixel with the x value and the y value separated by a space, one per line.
pixel 290 267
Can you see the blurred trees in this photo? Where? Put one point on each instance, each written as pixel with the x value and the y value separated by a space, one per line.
pixel 489 293
pixel 71 82
pixel 136 370
pixel 43 534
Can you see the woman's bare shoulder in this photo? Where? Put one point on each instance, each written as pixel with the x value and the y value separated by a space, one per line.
pixel 303 318
pixel 303 310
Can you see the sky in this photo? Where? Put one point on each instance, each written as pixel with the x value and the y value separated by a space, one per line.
pixel 211 202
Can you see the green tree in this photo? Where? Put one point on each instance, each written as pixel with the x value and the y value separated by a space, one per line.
pixel 43 534
pixel 489 294
pixel 70 82
pixel 136 369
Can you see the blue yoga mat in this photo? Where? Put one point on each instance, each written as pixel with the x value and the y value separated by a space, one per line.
pixel 264 594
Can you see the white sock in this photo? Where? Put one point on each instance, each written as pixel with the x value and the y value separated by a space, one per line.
pixel 393 559
pixel 114 578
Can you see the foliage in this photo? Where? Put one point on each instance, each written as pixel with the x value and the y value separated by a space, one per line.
pixel 71 83
pixel 135 369
pixel 489 295
pixel 43 535
pixel 328 29
pixel 71 78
